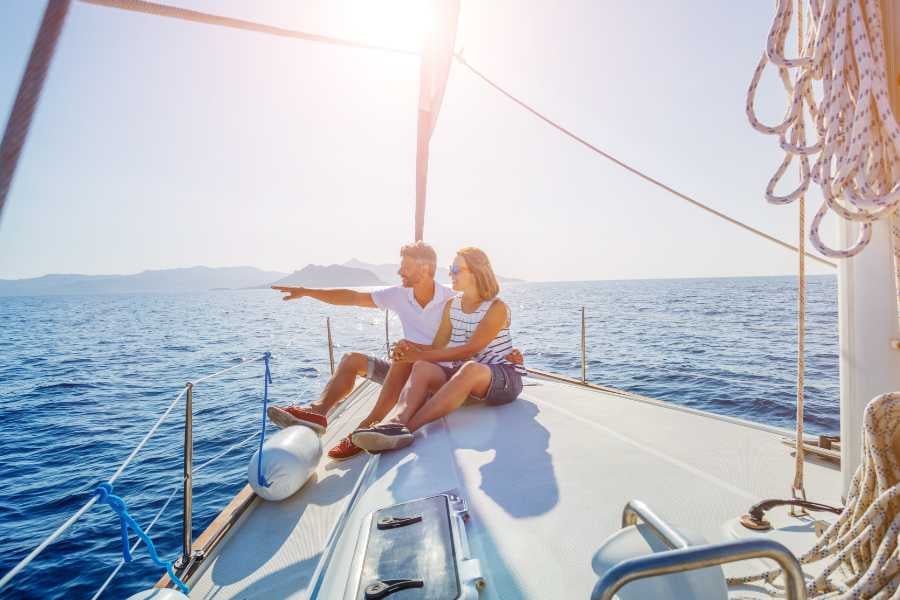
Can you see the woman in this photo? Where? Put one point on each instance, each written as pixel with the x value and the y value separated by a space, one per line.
pixel 468 357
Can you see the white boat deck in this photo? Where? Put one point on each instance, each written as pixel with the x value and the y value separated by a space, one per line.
pixel 545 479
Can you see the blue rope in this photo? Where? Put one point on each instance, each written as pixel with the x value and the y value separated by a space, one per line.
pixel 267 379
pixel 105 491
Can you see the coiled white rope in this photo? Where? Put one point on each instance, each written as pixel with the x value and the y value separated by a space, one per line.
pixel 858 141
pixel 857 148
pixel 862 543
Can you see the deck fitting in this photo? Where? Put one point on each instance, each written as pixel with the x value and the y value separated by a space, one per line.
pixel 750 522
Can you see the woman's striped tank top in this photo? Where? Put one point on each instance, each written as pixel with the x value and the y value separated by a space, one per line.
pixel 464 325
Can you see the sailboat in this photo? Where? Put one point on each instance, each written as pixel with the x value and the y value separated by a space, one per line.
pixel 578 490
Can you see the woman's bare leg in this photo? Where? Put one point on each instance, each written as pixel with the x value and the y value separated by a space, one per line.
pixel 472 379
pixel 391 388
pixel 426 377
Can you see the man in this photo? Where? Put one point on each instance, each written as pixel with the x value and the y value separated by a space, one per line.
pixel 419 302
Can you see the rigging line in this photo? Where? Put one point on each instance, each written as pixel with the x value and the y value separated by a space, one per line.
pixel 137 542
pixel 246 361
pixel 243 442
pixel 71 520
pixel 165 505
pixel 633 170
pixel 184 14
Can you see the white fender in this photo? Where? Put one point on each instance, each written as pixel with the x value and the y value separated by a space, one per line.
pixel 288 459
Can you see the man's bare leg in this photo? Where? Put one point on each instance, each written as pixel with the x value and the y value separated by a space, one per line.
pixel 390 391
pixel 341 383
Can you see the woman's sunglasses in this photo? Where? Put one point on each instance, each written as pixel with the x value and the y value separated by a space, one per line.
pixel 454 270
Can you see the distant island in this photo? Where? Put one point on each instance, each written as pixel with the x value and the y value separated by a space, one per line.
pixel 353 273
pixel 189 279
pixel 330 276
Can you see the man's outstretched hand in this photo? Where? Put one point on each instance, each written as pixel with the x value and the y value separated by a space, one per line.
pixel 290 293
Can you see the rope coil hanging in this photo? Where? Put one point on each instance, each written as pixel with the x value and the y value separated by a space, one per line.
pixel 857 145
pixel 798 137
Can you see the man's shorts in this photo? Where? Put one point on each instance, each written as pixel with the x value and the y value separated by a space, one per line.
pixel 506 384
pixel 376 369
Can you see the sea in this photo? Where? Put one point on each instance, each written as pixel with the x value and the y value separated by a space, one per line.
pixel 83 378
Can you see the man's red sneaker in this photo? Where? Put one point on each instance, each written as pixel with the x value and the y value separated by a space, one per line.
pixel 294 415
pixel 344 450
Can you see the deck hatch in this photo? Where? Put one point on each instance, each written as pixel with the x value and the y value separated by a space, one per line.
pixel 421 549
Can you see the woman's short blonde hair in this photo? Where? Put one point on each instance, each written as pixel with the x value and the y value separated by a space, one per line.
pixel 480 266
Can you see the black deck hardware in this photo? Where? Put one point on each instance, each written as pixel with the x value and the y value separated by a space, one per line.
pixel 383 589
pixel 394 522
pixel 755 517
pixel 411 552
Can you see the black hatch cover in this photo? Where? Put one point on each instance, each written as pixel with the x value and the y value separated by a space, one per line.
pixel 410 553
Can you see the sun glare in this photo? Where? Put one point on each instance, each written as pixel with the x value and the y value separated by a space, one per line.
pixel 395 23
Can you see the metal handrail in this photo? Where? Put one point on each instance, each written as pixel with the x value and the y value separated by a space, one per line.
pixel 698 557
pixel 683 557
pixel 635 510
pixel 187 507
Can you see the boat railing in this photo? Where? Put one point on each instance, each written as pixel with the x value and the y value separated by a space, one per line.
pixel 185 483
pixel 636 511
pixel 682 557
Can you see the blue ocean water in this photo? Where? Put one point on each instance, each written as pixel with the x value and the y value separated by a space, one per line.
pixel 82 378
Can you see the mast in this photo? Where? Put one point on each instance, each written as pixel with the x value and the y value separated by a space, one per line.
pixel 29 93
pixel 867 298
pixel 437 56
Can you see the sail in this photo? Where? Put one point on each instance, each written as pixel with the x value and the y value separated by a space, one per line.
pixel 437 56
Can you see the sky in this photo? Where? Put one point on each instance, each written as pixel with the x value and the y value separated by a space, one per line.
pixel 160 143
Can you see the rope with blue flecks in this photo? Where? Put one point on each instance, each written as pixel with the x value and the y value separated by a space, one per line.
pixel 858 151
pixel 798 491
pixel 857 146
pixel 862 543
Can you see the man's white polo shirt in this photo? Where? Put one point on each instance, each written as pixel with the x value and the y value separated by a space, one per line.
pixel 419 324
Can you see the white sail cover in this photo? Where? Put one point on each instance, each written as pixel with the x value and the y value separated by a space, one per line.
pixel 437 56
